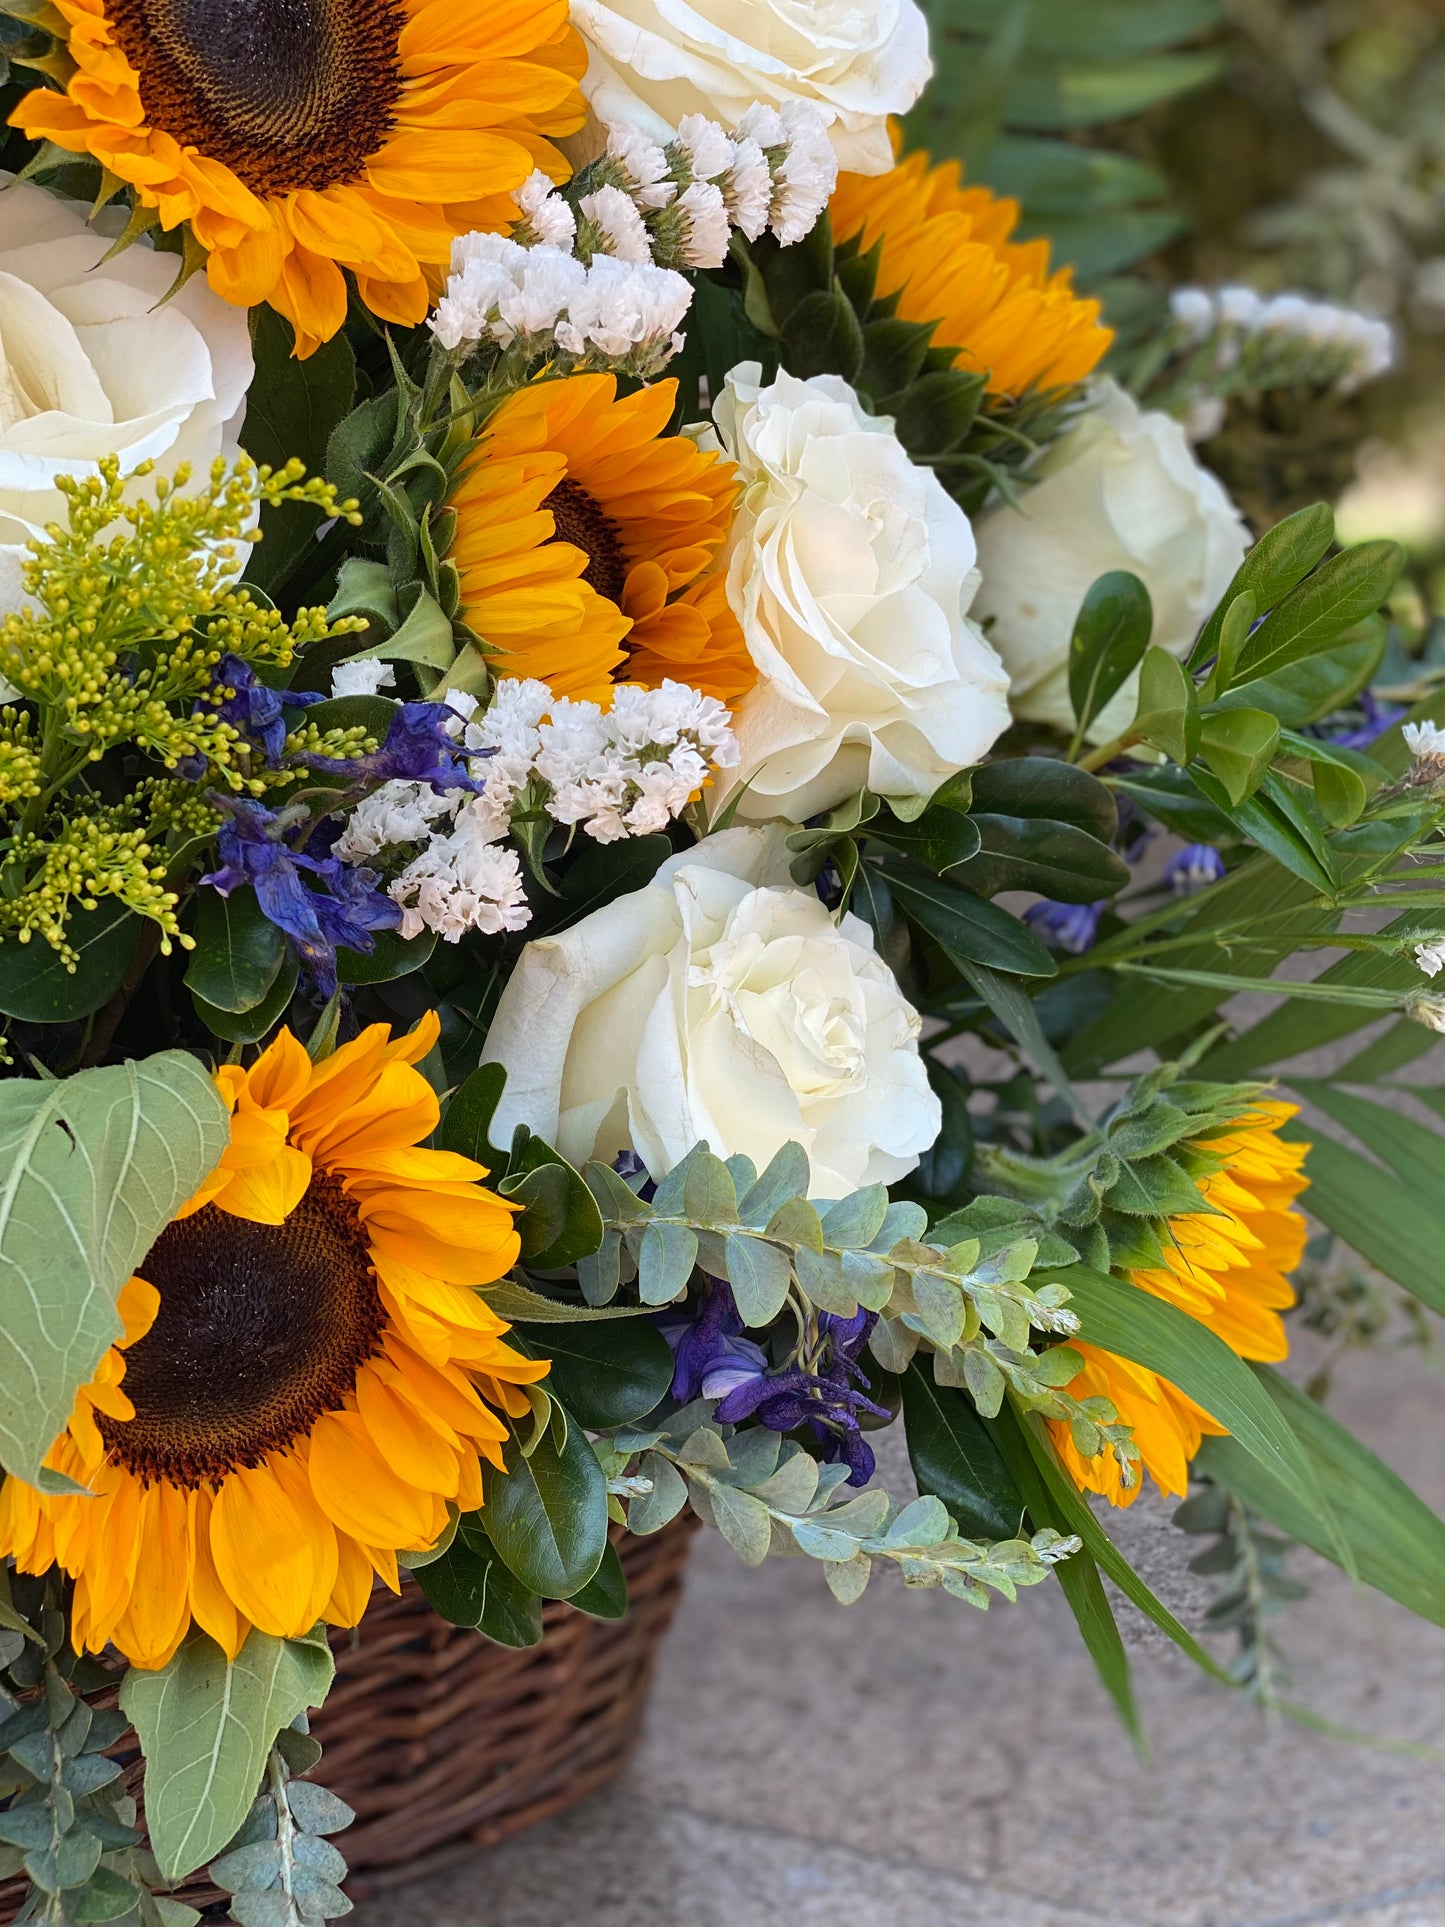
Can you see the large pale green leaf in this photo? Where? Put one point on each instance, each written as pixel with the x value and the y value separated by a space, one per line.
pixel 1398 1543
pixel 205 1725
pixel 91 1169
pixel 956 1457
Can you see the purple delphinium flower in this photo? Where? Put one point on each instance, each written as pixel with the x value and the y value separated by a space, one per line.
pixel 419 748
pixel 255 708
pixel 1378 718
pixel 708 1345
pixel 826 1402
pixel 253 849
pixel 1194 867
pixel 1065 926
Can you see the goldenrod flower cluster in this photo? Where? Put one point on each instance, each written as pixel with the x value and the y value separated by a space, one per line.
pixel 133 606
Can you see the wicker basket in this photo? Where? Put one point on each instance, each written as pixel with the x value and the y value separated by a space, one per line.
pixel 443 1742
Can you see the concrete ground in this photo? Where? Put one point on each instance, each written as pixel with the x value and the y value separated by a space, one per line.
pixel 909 1762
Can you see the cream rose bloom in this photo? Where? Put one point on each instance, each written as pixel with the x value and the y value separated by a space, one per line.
pixel 651 62
pixel 1120 490
pixel 851 571
pixel 719 1005
pixel 95 361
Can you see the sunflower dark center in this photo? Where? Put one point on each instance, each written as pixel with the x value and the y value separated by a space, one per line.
pixel 287 93
pixel 582 523
pixel 261 1329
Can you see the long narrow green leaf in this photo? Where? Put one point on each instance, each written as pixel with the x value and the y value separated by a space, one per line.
pixel 1398 1543
pixel 1078 1575
pixel 1412 1152
pixel 1026 1442
pixel 1388 1222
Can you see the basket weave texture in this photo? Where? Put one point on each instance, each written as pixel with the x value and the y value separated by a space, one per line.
pixel 443 1742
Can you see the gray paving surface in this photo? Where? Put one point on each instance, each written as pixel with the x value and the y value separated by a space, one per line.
pixel 909 1762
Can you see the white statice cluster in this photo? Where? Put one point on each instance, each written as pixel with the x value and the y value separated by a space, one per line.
pixel 1426 744
pixel 612 314
pixel 682 201
pixel 597 284
pixel 1286 338
pixel 625 771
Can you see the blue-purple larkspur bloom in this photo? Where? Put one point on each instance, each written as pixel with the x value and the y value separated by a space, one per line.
pixel 254 708
pixel 253 849
pixel 1071 927
pixel 1193 868
pixel 714 1360
pixel 419 748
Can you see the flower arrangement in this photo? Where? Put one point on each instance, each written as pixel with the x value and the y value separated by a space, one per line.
pixel 595 659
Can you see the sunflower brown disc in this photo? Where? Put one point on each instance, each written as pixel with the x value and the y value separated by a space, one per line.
pixel 261 1329
pixel 286 93
pixel 581 522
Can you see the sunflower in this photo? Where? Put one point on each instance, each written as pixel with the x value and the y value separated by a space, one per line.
pixel 305 1380
pixel 1229 1270
pixel 947 258
pixel 587 539
pixel 298 140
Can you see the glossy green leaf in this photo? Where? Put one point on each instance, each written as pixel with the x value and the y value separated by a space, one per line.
pixel 560 1222
pixel 37 986
pixel 1044 786
pixel 1282 557
pixel 1341 592
pixel 238 953
pixel 955 1456
pixel 467 1118
pixel 1168 712
pixel 250 1026
pixel 967 924
pixel 206 1725
pixel 92 1168
pixel 821 336
pixel 292 407
pixel 940 839
pixel 605 1594
pixel 606 1373
pixel 1110 636
pixel 471 1586
pixel 1309 691
pixel 392 955
pixel 547 1513
pixel 1397 1542
pixel 1033 853
pixel 1238 746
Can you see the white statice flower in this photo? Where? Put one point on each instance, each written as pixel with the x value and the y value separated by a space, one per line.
pixel 748 188
pixel 1120 490
pixel 705 212
pixel 851 572
pixel 97 358
pixel 484 269
pixel 624 308
pixel 547 214
pixel 621 229
pixel 719 1005
pixel 462 881
pixel 629 770
pixel 398 812
pixel 706 147
pixel 1193 313
pixel 1426 744
pixel 548 279
pixel 649 175
pixel 856 62
pixel 368 677
pixel 504 741
pixel 1431 957
pixel 805 167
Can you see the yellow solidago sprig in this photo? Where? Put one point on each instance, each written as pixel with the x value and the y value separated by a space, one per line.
pixel 122 678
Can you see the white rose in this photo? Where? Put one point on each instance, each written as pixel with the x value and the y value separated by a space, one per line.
pixel 651 62
pixel 1121 490
pixel 718 1005
pixel 95 361
pixel 850 570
